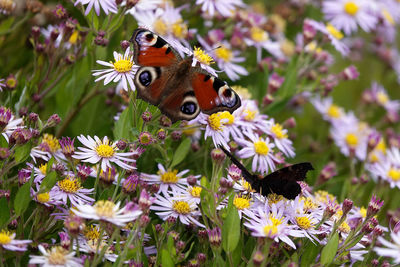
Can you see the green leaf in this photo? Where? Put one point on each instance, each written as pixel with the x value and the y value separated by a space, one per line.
pixel 6 24
pixel 310 254
pixel 22 152
pixel 231 228
pixel 48 182
pixel 4 211
pixel 166 259
pixel 329 251
pixel 123 126
pixel 181 152
pixel 22 199
pixel 289 85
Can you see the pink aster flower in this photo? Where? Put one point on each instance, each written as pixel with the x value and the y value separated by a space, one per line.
pixel 346 15
pixel 70 188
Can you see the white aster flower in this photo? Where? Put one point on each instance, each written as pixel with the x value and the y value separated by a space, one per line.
pixel 8 242
pixel 167 179
pixel 176 205
pixel 2 85
pixel 108 6
pixel 261 150
pixel 122 70
pixel 215 127
pixel 106 210
pixel 330 112
pixel 280 137
pixel 97 150
pixel 144 6
pixel 387 169
pixel 56 256
pixel 70 188
pixel 250 118
pixel 226 8
pixel 390 249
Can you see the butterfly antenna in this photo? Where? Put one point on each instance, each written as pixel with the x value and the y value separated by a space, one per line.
pixel 246 174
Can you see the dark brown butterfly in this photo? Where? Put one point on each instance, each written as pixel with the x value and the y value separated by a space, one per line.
pixel 282 182
pixel 168 81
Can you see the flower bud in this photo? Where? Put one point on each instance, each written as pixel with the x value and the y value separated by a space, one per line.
pixel 53 121
pixel 218 156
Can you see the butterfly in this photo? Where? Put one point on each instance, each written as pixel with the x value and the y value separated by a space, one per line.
pixel 168 81
pixel 281 182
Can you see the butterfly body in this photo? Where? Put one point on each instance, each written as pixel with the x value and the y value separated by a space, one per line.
pixel 282 182
pixel 168 81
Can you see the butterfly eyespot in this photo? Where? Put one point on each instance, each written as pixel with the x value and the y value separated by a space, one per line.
pixel 145 78
pixel 149 37
pixel 228 98
pixel 189 108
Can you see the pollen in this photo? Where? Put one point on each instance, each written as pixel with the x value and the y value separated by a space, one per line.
pixel 52 142
pixel 274 198
pixel 394 174
pixel 57 256
pixel 123 65
pixel 275 221
pixel 334 111
pixel 344 227
pixel 230 119
pixel 270 230
pixel 224 53
pixel 303 222
pixel 258 34
pixel 43 197
pixel 309 203
pixel 195 191
pixel 215 122
pixel 69 185
pixel 250 115
pixel 181 207
pixel 5 237
pixel 246 185
pixel 351 8
pixel 202 56
pixel 92 233
pixel 170 177
pixel 105 151
pixel 179 29
pixel 334 31
pixel 105 208
pixel 43 168
pixel 382 98
pixel 261 148
pixel 277 129
pixel 241 203
pixel 351 140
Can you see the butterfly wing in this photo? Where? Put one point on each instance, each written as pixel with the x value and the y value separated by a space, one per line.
pixel 213 94
pixel 284 181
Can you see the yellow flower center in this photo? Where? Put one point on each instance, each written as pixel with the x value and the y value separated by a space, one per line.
pixel 351 140
pixel 74 37
pixel 69 185
pixel 303 222
pixel 274 198
pixel 250 115
pixel 344 227
pixel 261 148
pixel 277 129
pixel 5 237
pixel 351 8
pixel 381 146
pixel 92 233
pixel 230 119
pixel 382 98
pixel 270 230
pixel 105 208
pixel 334 31
pixel 309 203
pixel 179 29
pixel 57 256
pixel 43 197
pixel 169 177
pixel 394 174
pixel 105 151
pixel 181 207
pixel 43 168
pixel 224 53
pixel 242 91
pixel 195 191
pixel 202 56
pixel 275 221
pixel 334 111
pixel 52 142
pixel 246 185
pixel 215 122
pixel 189 130
pixel 160 27
pixel 241 203
pixel 363 212
pixel 322 196
pixel 388 16
pixel 258 34
pixel 123 65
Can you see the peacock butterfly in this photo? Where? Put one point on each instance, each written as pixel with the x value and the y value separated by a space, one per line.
pixel 168 81
pixel 282 182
